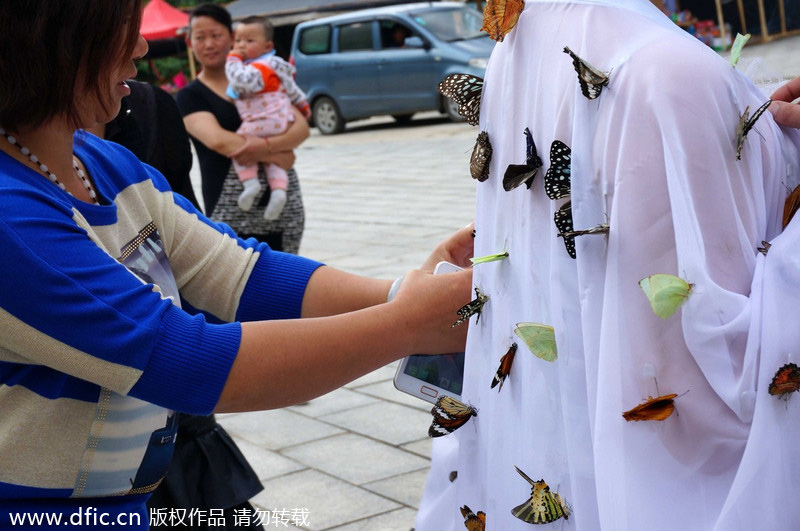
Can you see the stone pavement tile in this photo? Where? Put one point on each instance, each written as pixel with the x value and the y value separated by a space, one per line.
pixel 387 391
pixel 356 459
pixel 398 520
pixel 339 400
pixel 276 429
pixel 266 463
pixel 406 488
pixel 330 501
pixel 388 422
pixel 421 447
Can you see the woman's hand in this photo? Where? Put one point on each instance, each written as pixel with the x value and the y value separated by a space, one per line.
pixel 252 151
pixel 457 249
pixel 783 110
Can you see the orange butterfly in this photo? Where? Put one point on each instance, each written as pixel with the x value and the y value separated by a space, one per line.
pixel 791 205
pixel 505 367
pixel 448 415
pixel 472 521
pixel 785 381
pixel 652 409
pixel 500 17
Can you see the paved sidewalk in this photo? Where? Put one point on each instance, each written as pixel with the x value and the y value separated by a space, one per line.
pixel 377 198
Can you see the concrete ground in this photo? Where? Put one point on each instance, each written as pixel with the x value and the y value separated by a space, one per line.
pixel 377 198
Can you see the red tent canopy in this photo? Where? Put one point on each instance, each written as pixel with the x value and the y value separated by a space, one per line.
pixel 162 21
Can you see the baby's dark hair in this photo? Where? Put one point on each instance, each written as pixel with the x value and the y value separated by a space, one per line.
pixel 269 31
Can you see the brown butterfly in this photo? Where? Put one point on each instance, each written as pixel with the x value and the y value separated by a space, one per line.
pixel 652 409
pixel 590 79
pixel 785 381
pixel 448 415
pixel 481 157
pixel 791 205
pixel 473 521
pixel 500 17
pixel 505 367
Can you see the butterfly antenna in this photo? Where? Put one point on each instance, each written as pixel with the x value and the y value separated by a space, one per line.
pixel 524 475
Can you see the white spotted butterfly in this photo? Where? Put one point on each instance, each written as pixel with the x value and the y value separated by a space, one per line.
pixel 465 90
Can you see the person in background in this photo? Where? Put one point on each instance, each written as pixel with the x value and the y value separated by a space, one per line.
pixel 263 88
pixel 122 304
pixel 212 120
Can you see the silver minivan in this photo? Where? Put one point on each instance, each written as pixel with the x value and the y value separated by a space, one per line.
pixel 387 60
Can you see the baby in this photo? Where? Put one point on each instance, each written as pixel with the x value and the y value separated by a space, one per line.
pixel 263 89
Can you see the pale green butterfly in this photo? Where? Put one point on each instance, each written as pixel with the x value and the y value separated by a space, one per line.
pixel 540 339
pixel 489 258
pixel 665 292
pixel 736 49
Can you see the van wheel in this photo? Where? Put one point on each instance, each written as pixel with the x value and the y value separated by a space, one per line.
pixel 326 116
pixel 450 108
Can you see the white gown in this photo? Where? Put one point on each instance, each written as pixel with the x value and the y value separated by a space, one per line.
pixel 654 157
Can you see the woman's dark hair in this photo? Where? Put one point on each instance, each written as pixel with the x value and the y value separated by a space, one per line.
pixel 46 46
pixel 214 11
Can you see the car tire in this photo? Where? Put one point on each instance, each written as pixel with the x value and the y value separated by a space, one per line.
pixel 402 119
pixel 450 108
pixel 327 117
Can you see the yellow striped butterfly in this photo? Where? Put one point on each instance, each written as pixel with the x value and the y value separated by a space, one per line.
pixel 516 174
pixel 473 521
pixel 666 293
pixel 500 17
pixel 745 124
pixel 481 157
pixel 471 308
pixel 590 78
pixel 785 381
pixel 505 367
pixel 448 415
pixel 540 339
pixel 543 507
pixel 466 91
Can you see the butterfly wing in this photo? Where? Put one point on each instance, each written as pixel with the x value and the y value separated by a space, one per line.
pixel 471 308
pixel 736 49
pixel 791 205
pixel 473 521
pixel 652 409
pixel 466 91
pixel 539 338
pixel 666 293
pixel 557 180
pixel 516 174
pixel 500 17
pixel 746 124
pixel 542 507
pixel 505 367
pixel 590 79
pixel 563 221
pixel 785 381
pixel 449 414
pixel 481 157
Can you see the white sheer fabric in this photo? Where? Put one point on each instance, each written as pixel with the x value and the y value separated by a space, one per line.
pixel 655 158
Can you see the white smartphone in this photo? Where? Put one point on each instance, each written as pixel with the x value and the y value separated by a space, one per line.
pixel 430 376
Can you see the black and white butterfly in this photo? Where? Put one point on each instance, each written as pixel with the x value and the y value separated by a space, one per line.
pixel 517 174
pixel 449 414
pixel 590 78
pixel 563 221
pixel 473 307
pixel 481 157
pixel 465 90
pixel 557 180
pixel 745 124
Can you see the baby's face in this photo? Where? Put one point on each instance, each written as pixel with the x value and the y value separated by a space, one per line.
pixel 249 41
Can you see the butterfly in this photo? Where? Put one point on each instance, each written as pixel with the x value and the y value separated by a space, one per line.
pixel 590 79
pixel 481 156
pixel 517 174
pixel 489 258
pixel 666 293
pixel 563 221
pixel 472 521
pixel 448 415
pixel 791 205
pixel 765 245
pixel 597 229
pixel 540 339
pixel 557 179
pixel 471 308
pixel 505 367
pixel 736 49
pixel 785 381
pixel 745 124
pixel 465 90
pixel 543 506
pixel 500 17
pixel 652 409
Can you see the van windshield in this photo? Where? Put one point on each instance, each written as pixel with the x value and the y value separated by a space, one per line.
pixel 449 25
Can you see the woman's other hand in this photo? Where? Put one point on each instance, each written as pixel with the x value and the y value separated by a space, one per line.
pixel 457 249
pixel 783 110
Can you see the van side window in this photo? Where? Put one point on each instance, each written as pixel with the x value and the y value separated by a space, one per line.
pixel 393 34
pixel 356 36
pixel 315 40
